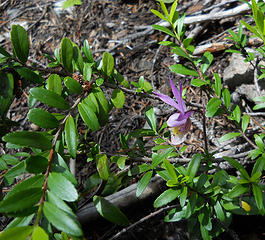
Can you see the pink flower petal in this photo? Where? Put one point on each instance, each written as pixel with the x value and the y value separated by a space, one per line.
pixel 178 96
pixel 167 100
pixel 174 122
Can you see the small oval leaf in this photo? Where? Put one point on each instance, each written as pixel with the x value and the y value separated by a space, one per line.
pixel 73 85
pixel 88 116
pixel 118 98
pixel 71 136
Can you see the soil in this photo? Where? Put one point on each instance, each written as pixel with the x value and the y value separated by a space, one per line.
pixel 113 25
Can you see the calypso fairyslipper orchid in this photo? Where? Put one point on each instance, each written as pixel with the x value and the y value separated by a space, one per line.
pixel 179 122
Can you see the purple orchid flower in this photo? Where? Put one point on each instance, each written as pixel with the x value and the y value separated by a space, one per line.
pixel 178 122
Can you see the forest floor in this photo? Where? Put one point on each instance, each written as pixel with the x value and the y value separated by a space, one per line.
pixel 123 29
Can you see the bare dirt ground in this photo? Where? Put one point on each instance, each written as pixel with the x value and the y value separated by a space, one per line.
pixel 123 28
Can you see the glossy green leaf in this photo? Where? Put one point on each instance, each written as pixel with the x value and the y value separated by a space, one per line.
pixel 259 142
pixel 245 122
pixel 108 63
pixel 193 166
pixel 166 197
pixel 110 211
pixel 14 172
pixel 9 159
pixel 180 69
pixel 237 191
pixel 20 221
pixel 6 91
pixel 198 82
pixel 87 71
pixel 229 136
pixel 259 165
pixel 143 183
pixel 78 58
pixel 71 136
pixel 39 233
pixel 21 200
pixel 173 10
pixel 170 169
pixel 237 114
pixel 206 61
pixel 158 158
pixel 67 54
pixel 54 84
pixel 121 79
pixel 120 160
pixel 56 201
pixel 217 85
pixel 73 85
pixel 62 187
pixel 50 98
pixel 158 14
pixel 103 105
pixel 4 52
pixel 212 106
pixel 62 220
pixel 102 166
pixel 163 29
pixel 238 166
pixel 33 182
pixel 28 139
pixel 252 29
pixel 42 118
pixel 258 197
pixel 226 97
pixel 92 102
pixel 16 233
pixel 88 116
pixel 87 51
pixel 20 42
pixel 150 118
pixel 36 164
pixel 117 98
pixel 29 75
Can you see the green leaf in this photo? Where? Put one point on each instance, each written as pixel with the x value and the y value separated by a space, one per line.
pixel 120 160
pixel 226 97
pixel 158 158
pixel 198 82
pixel 9 159
pixel 39 233
pixel 160 15
pixel 212 106
pixel 163 29
pixel 108 63
pixel 73 85
pixel 42 118
pixel 14 172
pixel 142 184
pixel 103 105
pixel 6 91
pixel 4 52
pixel 164 8
pixel 259 106
pixel 20 221
pixel 245 122
pixel 28 139
pixel 166 197
pixel 219 211
pixel 33 182
pixel 171 170
pixel 87 51
pixel 118 98
pixel 67 54
pixel 87 71
pixel 217 85
pixel 71 3
pixel 173 10
pixel 122 80
pixel 20 42
pixel 88 116
pixel 237 114
pixel 147 87
pixel 71 136
pixel 50 98
pixel 150 118
pixel 109 211
pixel 206 60
pixel 54 84
pixel 180 69
pixel 62 220
pixel 102 166
pixel 238 166
pixel 229 136
pixel 258 197
pixel 252 29
pixel 99 81
pixel 36 164
pixel 62 187
pixel 193 166
pixel 259 165
pixel 21 200
pixel 16 233
pixel 56 201
pixel 237 191
pixel 259 142
pixel 180 52
pixel 78 59
pixel 92 102
pixel 29 75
